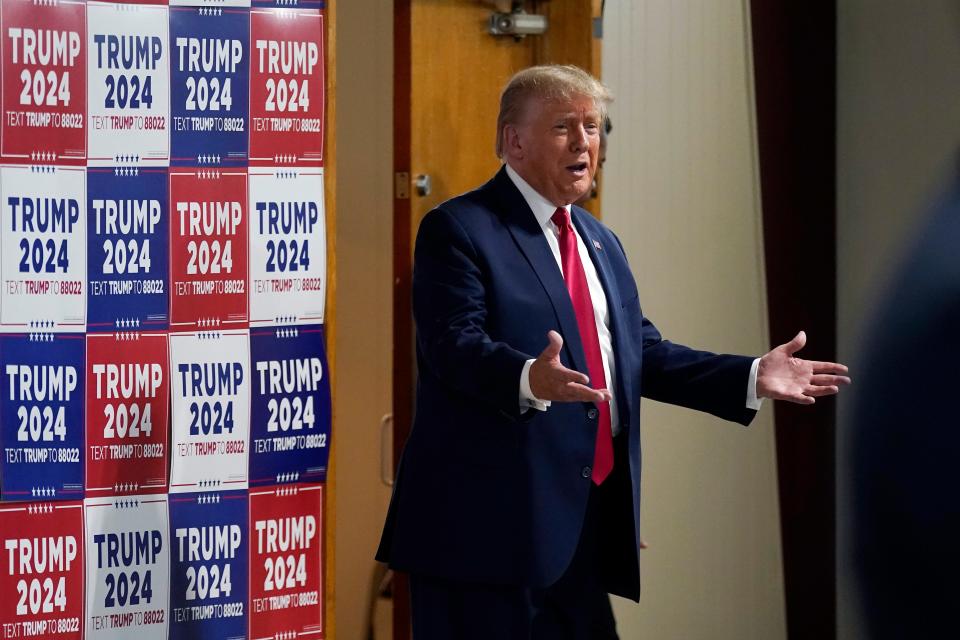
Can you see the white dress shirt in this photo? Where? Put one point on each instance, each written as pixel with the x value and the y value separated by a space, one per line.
pixel 543 211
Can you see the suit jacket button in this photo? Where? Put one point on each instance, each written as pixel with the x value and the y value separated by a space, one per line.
pixel 586 472
pixel 592 414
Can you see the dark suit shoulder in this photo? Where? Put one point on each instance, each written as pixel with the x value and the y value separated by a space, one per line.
pixel 480 210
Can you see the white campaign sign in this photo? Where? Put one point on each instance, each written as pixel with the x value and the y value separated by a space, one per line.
pixel 288 246
pixel 128 567
pixel 44 248
pixel 210 423
pixel 128 84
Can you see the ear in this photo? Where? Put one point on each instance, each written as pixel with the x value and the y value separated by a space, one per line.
pixel 512 144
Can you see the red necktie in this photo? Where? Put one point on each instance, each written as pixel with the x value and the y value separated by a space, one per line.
pixel 576 281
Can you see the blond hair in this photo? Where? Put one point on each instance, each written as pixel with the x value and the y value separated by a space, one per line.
pixel 548 82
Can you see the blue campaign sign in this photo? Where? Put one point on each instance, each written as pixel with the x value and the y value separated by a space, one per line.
pixel 41 416
pixel 290 405
pixel 209 76
pixel 128 249
pixel 209 544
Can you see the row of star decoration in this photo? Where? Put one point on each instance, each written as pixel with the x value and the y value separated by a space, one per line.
pixel 39 508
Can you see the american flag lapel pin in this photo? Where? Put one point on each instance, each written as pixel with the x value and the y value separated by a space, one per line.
pixel 596 243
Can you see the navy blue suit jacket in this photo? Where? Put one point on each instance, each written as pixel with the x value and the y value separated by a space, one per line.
pixel 485 493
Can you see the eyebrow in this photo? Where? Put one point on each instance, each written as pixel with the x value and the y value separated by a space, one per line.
pixel 573 114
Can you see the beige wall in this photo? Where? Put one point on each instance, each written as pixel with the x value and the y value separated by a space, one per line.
pixel 898 135
pixel 362 394
pixel 681 191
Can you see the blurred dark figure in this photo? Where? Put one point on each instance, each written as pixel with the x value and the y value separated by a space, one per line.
pixel 906 443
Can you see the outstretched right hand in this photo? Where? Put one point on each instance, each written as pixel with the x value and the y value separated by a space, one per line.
pixel 550 380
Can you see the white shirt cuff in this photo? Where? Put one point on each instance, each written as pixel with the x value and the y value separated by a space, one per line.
pixel 753 402
pixel 527 399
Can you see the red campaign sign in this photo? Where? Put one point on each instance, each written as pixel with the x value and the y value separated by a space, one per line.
pixel 41 587
pixel 208 249
pixel 287 93
pixel 128 392
pixel 44 81
pixel 286 561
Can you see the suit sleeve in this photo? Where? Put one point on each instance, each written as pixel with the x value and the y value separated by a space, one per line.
pixel 699 380
pixel 449 308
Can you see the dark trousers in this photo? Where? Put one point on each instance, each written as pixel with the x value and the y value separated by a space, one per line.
pixel 576 607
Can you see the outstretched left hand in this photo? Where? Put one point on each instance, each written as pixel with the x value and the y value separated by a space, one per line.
pixel 781 376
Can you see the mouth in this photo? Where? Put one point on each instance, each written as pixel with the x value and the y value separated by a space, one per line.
pixel 578 169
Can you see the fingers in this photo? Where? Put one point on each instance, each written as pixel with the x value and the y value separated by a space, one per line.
pixel 554 344
pixel 574 392
pixel 800 399
pixel 798 342
pixel 817 392
pixel 828 380
pixel 549 380
pixel 829 367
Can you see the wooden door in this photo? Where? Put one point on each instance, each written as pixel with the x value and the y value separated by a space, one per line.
pixel 448 74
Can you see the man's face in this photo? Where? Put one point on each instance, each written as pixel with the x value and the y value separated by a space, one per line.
pixel 555 148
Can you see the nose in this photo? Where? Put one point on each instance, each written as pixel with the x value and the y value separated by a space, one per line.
pixel 578 139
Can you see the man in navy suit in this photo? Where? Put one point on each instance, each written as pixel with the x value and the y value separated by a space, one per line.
pixel 516 506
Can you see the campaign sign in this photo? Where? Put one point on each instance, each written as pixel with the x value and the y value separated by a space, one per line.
pixel 209 77
pixel 43 248
pixel 208 248
pixel 128 567
pixel 288 246
pixel 290 408
pixel 286 87
pixel 128 394
pixel 210 372
pixel 41 416
pixel 44 81
pixel 208 580
pixel 283 4
pixel 286 562
pixel 210 3
pixel 128 81
pixel 42 584
pixel 127 249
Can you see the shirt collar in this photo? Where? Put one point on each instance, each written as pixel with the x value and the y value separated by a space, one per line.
pixel 542 208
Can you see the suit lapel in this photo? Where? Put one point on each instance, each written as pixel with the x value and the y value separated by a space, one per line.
pixel 598 254
pixel 528 235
